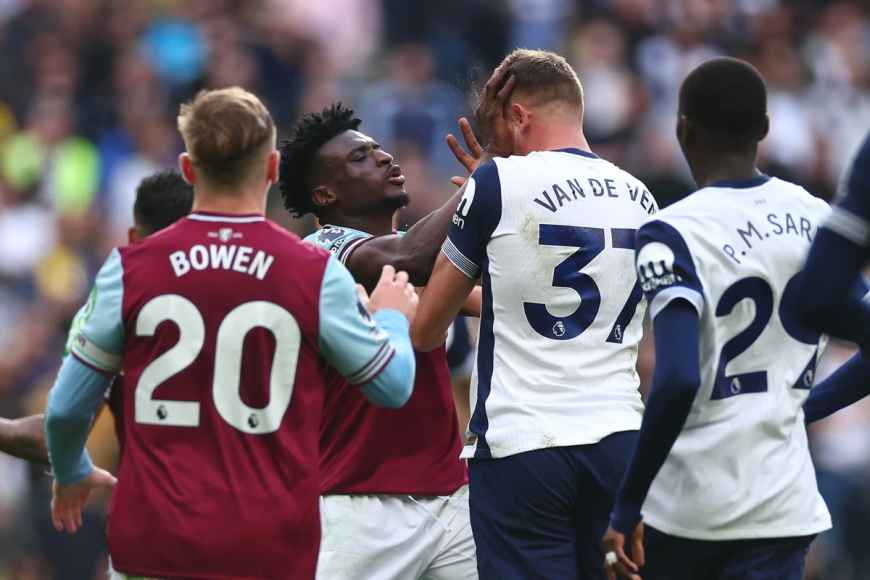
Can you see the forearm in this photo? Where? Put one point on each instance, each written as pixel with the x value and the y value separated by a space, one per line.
pixel 473 303
pixel 418 249
pixel 24 438
pixel 675 383
pixel 72 404
pixel 849 384
pixel 440 302
pixel 393 386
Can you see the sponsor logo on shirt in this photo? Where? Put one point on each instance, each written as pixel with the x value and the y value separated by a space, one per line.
pixel 464 204
pixel 655 266
pixel 335 248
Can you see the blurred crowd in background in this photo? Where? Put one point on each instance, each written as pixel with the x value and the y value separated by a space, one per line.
pixel 89 92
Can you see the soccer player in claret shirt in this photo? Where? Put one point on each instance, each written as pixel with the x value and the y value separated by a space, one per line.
pixel 161 200
pixel 722 474
pixel 394 489
pixel 224 324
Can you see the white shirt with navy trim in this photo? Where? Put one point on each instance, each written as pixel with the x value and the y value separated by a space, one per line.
pixel 552 236
pixel 741 467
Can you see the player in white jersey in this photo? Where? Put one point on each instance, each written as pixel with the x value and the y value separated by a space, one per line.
pixel 722 472
pixel 550 231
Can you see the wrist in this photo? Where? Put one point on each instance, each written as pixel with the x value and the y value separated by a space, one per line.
pixel 625 517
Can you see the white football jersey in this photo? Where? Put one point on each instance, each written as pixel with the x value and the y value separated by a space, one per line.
pixel 552 236
pixel 741 466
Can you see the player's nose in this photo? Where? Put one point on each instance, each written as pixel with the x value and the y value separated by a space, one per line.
pixel 383 158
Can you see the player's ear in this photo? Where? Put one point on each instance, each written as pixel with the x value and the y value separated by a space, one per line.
pixel 186 166
pixel 131 235
pixel 272 168
pixel 684 130
pixel 766 129
pixel 521 116
pixel 323 196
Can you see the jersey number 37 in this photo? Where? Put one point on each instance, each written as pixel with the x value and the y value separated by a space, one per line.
pixel 569 274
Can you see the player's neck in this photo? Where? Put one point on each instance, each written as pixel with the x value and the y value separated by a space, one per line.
pixel 248 203
pixel 555 138
pixel 725 167
pixel 376 225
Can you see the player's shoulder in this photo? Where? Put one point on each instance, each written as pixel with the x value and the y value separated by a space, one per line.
pixel 332 237
pixel 673 225
pixel 800 196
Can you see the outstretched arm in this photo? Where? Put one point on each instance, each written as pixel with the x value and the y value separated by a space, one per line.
pixel 24 438
pixel 372 351
pixel 414 252
pixel 417 250
pixel 439 304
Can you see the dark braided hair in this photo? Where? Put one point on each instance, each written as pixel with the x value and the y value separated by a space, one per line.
pixel 299 153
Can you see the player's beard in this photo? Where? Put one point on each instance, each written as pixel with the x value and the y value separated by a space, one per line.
pixel 397 200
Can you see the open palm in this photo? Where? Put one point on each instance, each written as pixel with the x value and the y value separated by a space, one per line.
pixel 68 501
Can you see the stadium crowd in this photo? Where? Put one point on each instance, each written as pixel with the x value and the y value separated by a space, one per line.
pixel 89 90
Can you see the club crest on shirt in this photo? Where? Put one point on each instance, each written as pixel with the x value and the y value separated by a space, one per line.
pixel 225 234
pixel 329 234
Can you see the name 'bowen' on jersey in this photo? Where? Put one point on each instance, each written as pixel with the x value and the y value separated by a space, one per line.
pixel 222 257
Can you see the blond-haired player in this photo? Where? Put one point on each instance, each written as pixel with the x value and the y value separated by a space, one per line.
pixel 224 324
pixel 550 232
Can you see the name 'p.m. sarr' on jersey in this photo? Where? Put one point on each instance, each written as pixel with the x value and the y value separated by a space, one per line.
pixel 775 225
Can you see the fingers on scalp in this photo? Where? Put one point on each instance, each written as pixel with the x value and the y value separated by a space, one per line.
pixel 506 89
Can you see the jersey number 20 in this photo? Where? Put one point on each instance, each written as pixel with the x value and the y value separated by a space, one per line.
pixel 228 363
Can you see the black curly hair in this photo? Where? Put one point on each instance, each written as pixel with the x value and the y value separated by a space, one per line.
pixel 299 154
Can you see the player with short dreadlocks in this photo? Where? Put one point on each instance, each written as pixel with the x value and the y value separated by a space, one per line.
pixel 396 471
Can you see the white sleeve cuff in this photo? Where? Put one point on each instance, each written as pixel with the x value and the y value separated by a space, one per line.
pixel 668 295
pixel 846 224
pixel 94 356
pixel 458 259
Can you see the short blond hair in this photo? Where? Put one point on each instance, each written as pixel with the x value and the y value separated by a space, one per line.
pixel 225 133
pixel 543 77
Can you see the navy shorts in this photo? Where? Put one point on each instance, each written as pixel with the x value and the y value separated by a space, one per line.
pixel 542 514
pixel 673 558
